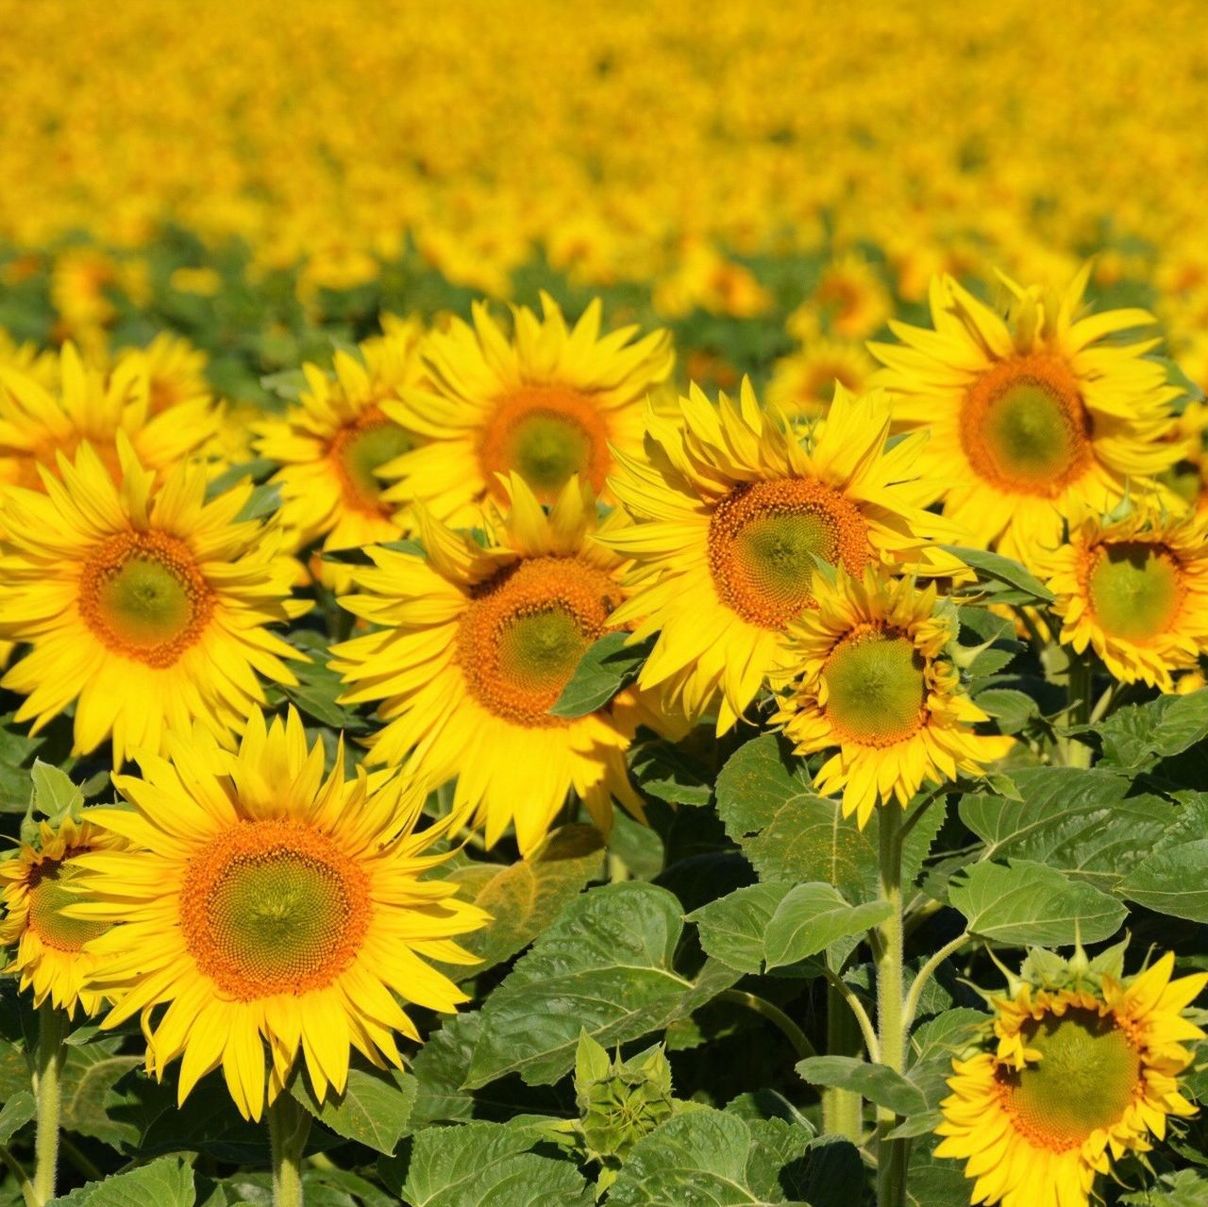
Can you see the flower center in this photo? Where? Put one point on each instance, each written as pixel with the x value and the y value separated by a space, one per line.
pixel 546 434
pixel 1135 589
pixel 361 448
pixel 49 891
pixel 525 631
pixel 273 907
pixel 875 687
pixel 142 594
pixel 763 541
pixel 1024 427
pixel 1087 1076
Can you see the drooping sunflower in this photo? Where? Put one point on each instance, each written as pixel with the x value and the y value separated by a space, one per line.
pixel 145 605
pixel 733 509
pixel 38 423
pixel 332 442
pixel 35 884
pixel 549 404
pixel 1033 417
pixel 271 910
pixel 1136 591
pixel 1072 1077
pixel 474 647
pixel 876 687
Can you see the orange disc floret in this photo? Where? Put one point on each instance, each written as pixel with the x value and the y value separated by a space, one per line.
pixel 764 538
pixel 273 906
pixel 143 595
pixel 525 631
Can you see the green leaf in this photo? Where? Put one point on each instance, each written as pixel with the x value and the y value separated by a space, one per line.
pixel 790 833
pixel 55 796
pixel 1184 1188
pixel 16 750
pixel 1010 708
pixel 523 898
pixel 811 917
pixel 878 1083
pixel 167 1182
pixel 264 500
pixel 712 1158
pixel 374 1109
pixel 1076 820
pixel 1026 903
pixel 1136 736
pixel 733 927
pixel 16 1112
pixel 607 666
pixel 90 1097
pixel 1172 881
pixel 666 772
pixel 995 569
pixel 606 967
pixel 440 1068
pixel 933 1046
pixel 489 1165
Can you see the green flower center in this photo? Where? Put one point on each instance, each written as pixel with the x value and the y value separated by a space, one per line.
pixel 1085 1080
pixel 875 687
pixel 778 554
pixel 547 449
pixel 49 892
pixel 1135 589
pixel 540 651
pixel 1027 434
pixel 145 603
pixel 364 450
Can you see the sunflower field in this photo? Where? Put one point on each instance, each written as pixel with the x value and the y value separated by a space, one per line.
pixel 603 605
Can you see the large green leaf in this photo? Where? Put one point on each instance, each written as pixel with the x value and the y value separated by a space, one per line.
pixel 790 833
pixel 1025 903
pixel 876 1082
pixel 1079 821
pixel 811 917
pixel 91 1101
pixel 1173 881
pixel 733 928
pixel 1136 736
pixel 167 1182
pixel 374 1110
pixel 489 1165
pixel 523 898
pixel 605 966
pixel 606 667
pixel 1008 580
pixel 710 1158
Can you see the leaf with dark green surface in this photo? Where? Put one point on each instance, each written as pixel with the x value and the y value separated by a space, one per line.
pixel 1075 820
pixel 167 1182
pixel 605 967
pixel 733 928
pixel 489 1165
pixel 1012 709
pixel 933 1046
pixel 17 751
pixel 1026 903
pixel 607 666
pixel 1173 881
pixel 1009 581
pixel 90 1095
pixel 374 1109
pixel 316 694
pixel 812 916
pixel 876 1082
pixel 17 1111
pixel 523 898
pixel 1136 736
pixel 668 772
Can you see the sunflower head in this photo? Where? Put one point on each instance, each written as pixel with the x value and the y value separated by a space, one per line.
pixel 873 678
pixel 1135 589
pixel 275 910
pixel 37 882
pixel 1078 1065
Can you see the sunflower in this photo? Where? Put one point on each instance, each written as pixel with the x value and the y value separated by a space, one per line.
pixel 875 684
pixel 549 404
pixel 1074 1076
pixel 1136 591
pixel 850 301
pixel 1035 417
pixel 38 422
pixel 733 511
pixel 272 911
pixel 475 646
pixel 38 880
pixel 147 606
pixel 332 442
pixel 803 384
pixel 176 371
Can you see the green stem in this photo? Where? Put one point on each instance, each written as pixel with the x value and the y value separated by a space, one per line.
pixel 848 995
pixel 842 1110
pixel 1078 709
pixel 773 1013
pixel 288 1127
pixel 891 1154
pixel 48 1094
pixel 925 974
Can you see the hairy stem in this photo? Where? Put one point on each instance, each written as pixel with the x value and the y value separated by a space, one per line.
pixel 842 1110
pixel 48 1093
pixel 925 974
pixel 288 1127
pixel 891 1031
